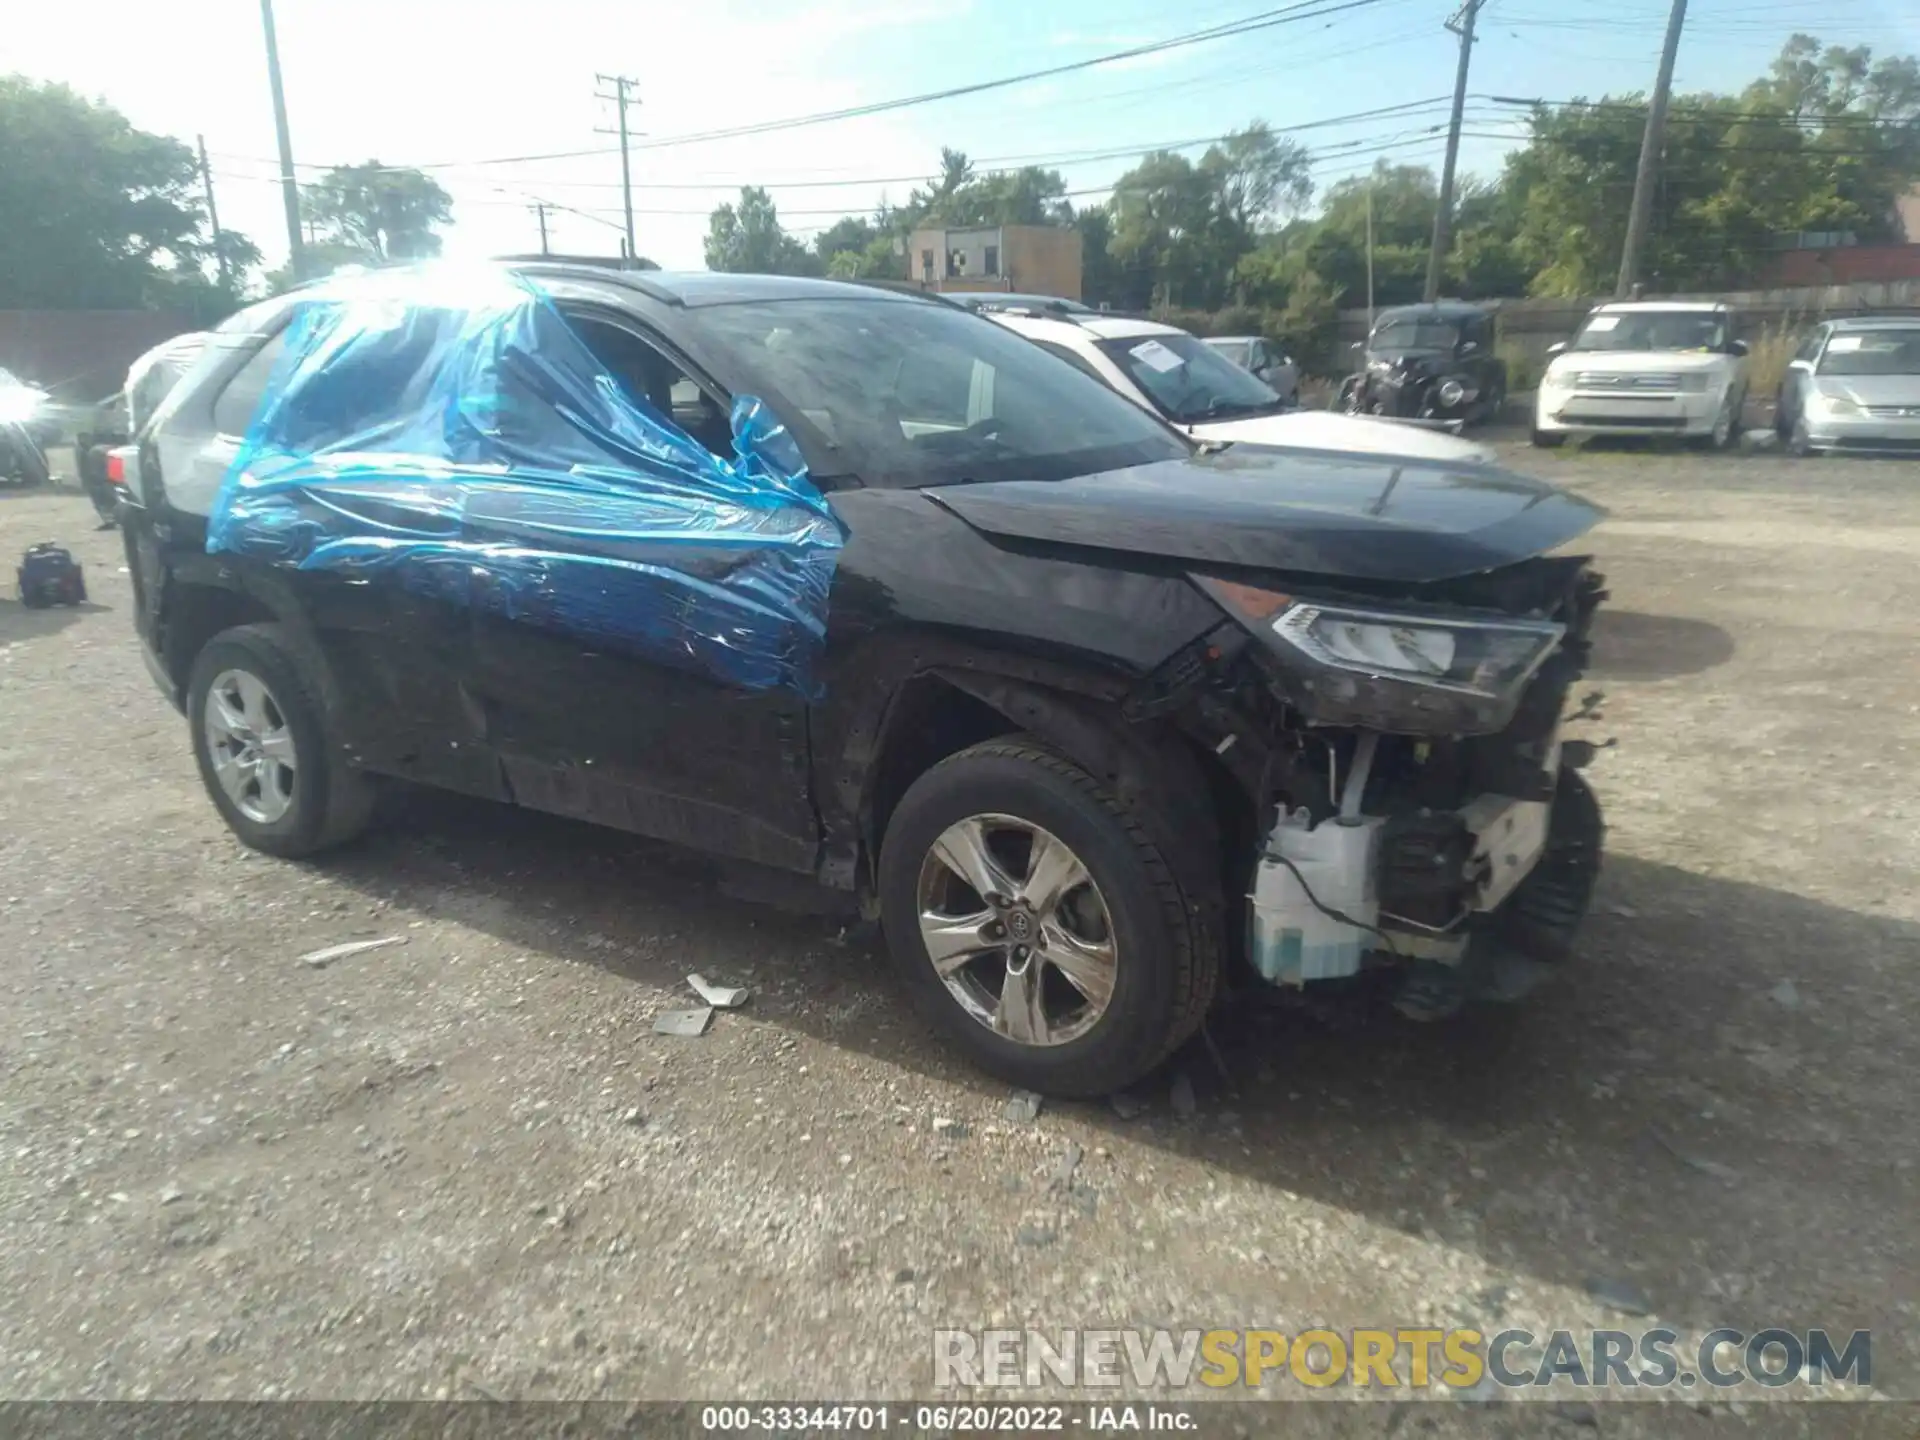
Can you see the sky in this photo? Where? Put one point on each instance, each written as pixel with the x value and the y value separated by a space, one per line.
pixel 459 86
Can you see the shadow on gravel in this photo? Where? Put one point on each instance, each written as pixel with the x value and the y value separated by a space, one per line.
pixel 1628 645
pixel 1705 1088
pixel 17 622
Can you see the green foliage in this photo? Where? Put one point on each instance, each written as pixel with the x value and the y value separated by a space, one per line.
pixel 1827 141
pixel 376 213
pixel 1179 229
pixel 95 214
pixel 747 238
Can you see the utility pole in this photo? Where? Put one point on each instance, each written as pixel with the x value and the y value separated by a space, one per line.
pixel 213 212
pixel 289 187
pixel 1462 25
pixel 1369 258
pixel 621 100
pixel 1643 178
pixel 540 211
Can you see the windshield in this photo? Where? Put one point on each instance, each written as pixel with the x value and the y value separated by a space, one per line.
pixel 1874 352
pixel 1415 335
pixel 1653 330
pixel 1188 380
pixel 902 394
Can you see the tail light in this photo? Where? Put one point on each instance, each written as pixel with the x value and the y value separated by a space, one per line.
pixel 117 469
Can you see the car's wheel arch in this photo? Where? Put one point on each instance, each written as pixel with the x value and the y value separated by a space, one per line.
pixel 202 601
pixel 1149 769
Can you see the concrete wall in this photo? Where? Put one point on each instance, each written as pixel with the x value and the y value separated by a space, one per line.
pixel 81 355
pixel 1043 260
pixel 1843 265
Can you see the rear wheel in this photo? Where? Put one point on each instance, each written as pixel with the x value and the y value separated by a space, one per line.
pixel 1037 925
pixel 266 752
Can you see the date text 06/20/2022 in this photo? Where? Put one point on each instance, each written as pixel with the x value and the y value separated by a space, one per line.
pixel 948 1418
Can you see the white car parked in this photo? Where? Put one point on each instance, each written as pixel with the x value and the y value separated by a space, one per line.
pixel 1646 368
pixel 1191 385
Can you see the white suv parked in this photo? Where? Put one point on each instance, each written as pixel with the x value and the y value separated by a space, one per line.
pixel 1189 384
pixel 1646 368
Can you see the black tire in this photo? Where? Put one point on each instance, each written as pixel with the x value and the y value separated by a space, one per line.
pixel 1714 444
pixel 1543 915
pixel 1800 441
pixel 33 597
pixel 1546 440
pixel 332 802
pixel 1167 968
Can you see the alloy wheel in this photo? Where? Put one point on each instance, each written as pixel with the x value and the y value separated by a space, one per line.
pixel 1017 930
pixel 251 746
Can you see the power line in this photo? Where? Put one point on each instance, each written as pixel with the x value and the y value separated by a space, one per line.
pixel 1301 10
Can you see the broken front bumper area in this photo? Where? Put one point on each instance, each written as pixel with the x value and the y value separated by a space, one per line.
pixel 1479 901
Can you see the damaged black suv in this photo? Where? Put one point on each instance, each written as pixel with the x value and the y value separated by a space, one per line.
pixel 861 585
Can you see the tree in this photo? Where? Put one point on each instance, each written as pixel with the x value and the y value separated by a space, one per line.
pixel 1827 141
pixel 99 214
pixel 1179 229
pixel 747 238
pixel 1099 275
pixel 378 212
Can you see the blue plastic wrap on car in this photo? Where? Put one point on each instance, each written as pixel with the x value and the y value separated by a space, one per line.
pixel 450 429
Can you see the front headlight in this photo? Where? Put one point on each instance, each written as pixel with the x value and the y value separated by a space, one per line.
pixel 1695 382
pixel 1483 657
pixel 1834 405
pixel 1560 379
pixel 1452 392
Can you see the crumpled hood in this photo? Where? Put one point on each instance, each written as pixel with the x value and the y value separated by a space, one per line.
pixel 1353 517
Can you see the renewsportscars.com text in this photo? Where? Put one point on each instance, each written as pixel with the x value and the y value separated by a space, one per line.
pixel 1654 1358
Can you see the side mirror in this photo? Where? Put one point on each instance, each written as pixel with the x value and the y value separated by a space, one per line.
pixel 1556 347
pixel 1803 365
pixel 1737 347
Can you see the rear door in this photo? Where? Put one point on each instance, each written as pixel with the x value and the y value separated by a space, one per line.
pixel 396 656
pixel 621 735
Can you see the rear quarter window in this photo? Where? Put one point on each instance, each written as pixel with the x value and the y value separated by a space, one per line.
pixel 234 408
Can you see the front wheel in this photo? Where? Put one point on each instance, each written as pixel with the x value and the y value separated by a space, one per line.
pixel 1547 439
pixel 1036 924
pixel 266 751
pixel 1726 426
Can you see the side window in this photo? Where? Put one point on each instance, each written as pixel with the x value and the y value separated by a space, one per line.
pixel 234 409
pixel 1079 362
pixel 657 382
pixel 1810 346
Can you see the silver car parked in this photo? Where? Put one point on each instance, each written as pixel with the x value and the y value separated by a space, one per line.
pixel 1853 385
pixel 1265 360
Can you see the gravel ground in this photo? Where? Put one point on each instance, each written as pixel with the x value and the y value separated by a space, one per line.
pixel 464 1166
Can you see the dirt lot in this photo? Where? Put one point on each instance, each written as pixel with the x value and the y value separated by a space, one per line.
pixel 465 1166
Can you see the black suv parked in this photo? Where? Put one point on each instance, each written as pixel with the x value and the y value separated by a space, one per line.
pixel 1091 715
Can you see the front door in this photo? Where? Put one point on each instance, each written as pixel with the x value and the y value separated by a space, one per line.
pixel 643 732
